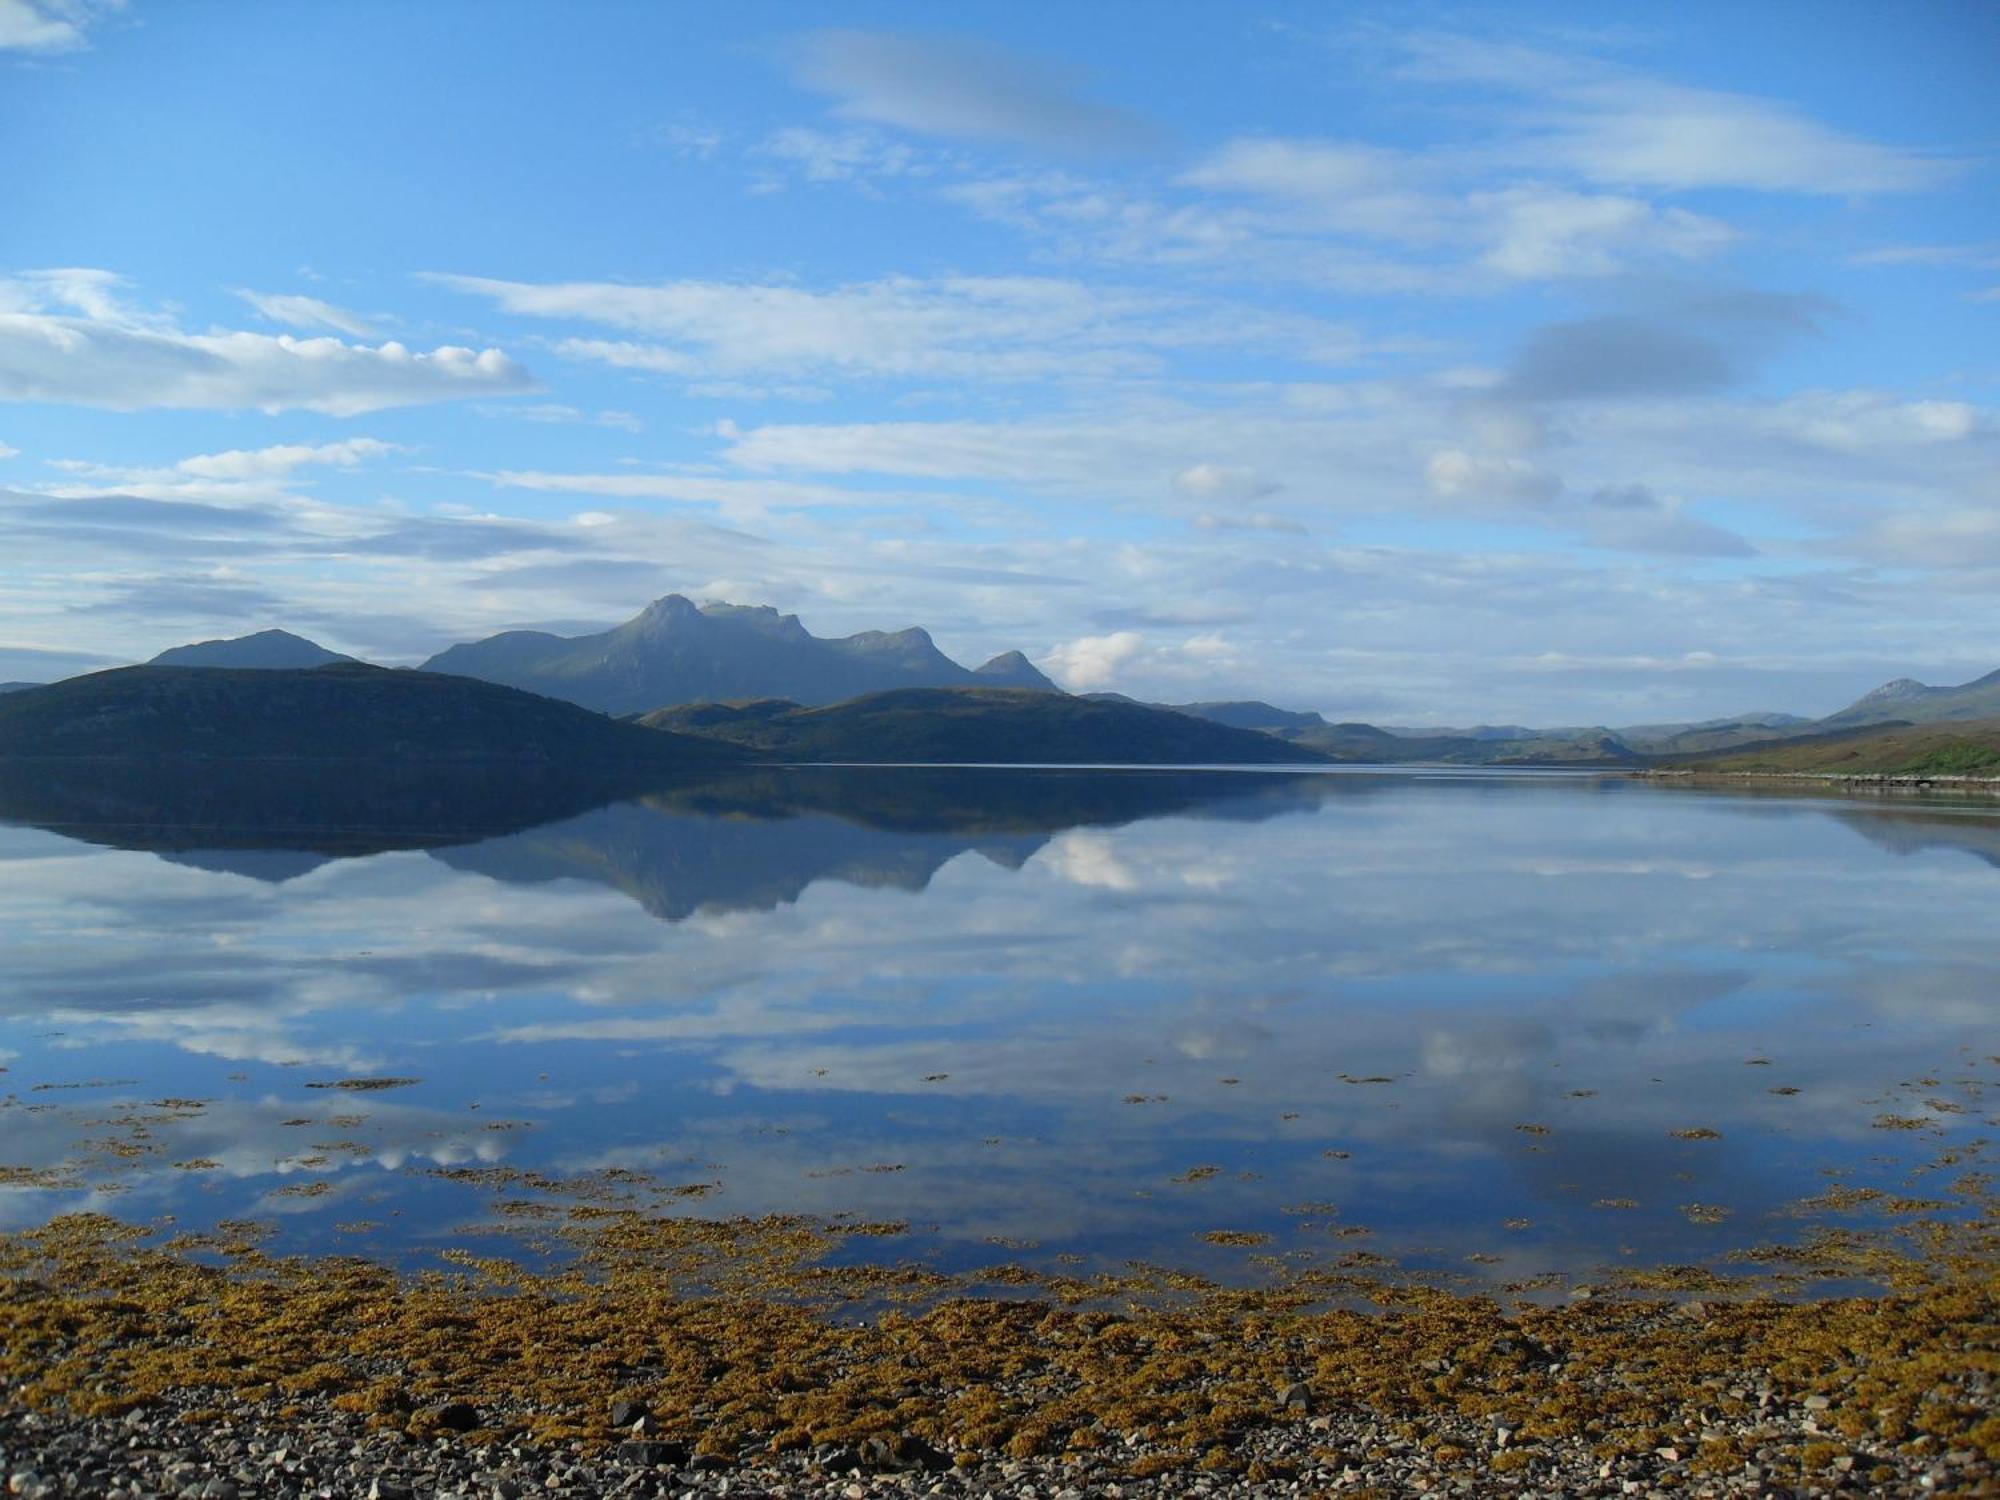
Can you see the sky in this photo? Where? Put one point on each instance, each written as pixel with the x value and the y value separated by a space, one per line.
pixel 1417 363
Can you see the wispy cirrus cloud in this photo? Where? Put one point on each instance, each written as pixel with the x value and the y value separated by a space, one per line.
pixel 1620 127
pixel 296 310
pixel 999 328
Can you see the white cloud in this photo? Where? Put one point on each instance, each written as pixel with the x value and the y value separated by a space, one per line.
pixel 687 138
pixel 8 451
pixel 46 26
pixel 1092 662
pixel 279 461
pixel 1863 421
pixel 67 336
pixel 994 328
pixel 555 413
pixel 1454 474
pixel 1222 482
pixel 960 87
pixel 296 311
pixel 732 492
pixel 842 156
pixel 1527 231
pixel 1540 232
pixel 1618 127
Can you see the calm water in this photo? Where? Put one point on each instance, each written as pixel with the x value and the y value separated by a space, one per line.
pixel 1035 1015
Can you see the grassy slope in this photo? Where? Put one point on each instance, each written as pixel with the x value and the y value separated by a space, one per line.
pixel 997 725
pixel 1943 749
pixel 326 714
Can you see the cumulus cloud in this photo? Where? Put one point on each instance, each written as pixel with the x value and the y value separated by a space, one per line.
pixel 1090 663
pixel 960 87
pixel 69 336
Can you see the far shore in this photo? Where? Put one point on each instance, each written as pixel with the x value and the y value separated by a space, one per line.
pixel 1836 778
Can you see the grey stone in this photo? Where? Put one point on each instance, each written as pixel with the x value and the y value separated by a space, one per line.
pixel 649 1453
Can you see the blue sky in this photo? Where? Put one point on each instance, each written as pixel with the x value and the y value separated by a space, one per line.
pixel 1419 363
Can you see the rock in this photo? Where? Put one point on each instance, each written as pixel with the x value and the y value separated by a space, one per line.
pixel 1817 1403
pixel 388 1489
pixel 457 1416
pixel 1294 1396
pixel 914 1453
pixel 625 1413
pixel 650 1453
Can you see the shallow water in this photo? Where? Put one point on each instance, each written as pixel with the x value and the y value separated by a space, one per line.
pixel 1069 1019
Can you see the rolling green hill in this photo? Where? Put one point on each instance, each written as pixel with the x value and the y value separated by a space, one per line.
pixel 1969 748
pixel 341 712
pixel 957 726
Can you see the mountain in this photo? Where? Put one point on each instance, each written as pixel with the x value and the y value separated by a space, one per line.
pixel 1012 669
pixel 674 652
pixel 978 725
pixel 267 650
pixel 1944 748
pixel 1914 702
pixel 15 687
pixel 340 712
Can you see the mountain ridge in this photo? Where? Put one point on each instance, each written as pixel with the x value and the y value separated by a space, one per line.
pixel 946 726
pixel 676 652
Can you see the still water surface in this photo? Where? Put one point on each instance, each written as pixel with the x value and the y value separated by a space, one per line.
pixel 1061 1018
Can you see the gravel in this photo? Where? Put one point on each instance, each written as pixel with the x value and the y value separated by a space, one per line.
pixel 330 1455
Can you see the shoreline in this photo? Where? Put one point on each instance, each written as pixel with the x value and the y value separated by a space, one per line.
pixel 199 1366
pixel 1835 778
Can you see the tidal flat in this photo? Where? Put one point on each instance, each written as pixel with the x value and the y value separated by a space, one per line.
pixel 962 1132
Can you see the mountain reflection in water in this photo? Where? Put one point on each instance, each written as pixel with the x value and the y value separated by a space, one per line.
pixel 1503 1024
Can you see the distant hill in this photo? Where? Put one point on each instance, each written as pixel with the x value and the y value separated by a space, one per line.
pixel 1913 702
pixel 972 725
pixel 15 687
pixel 340 712
pixel 1250 714
pixel 1484 744
pixel 674 652
pixel 1970 748
pixel 267 651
